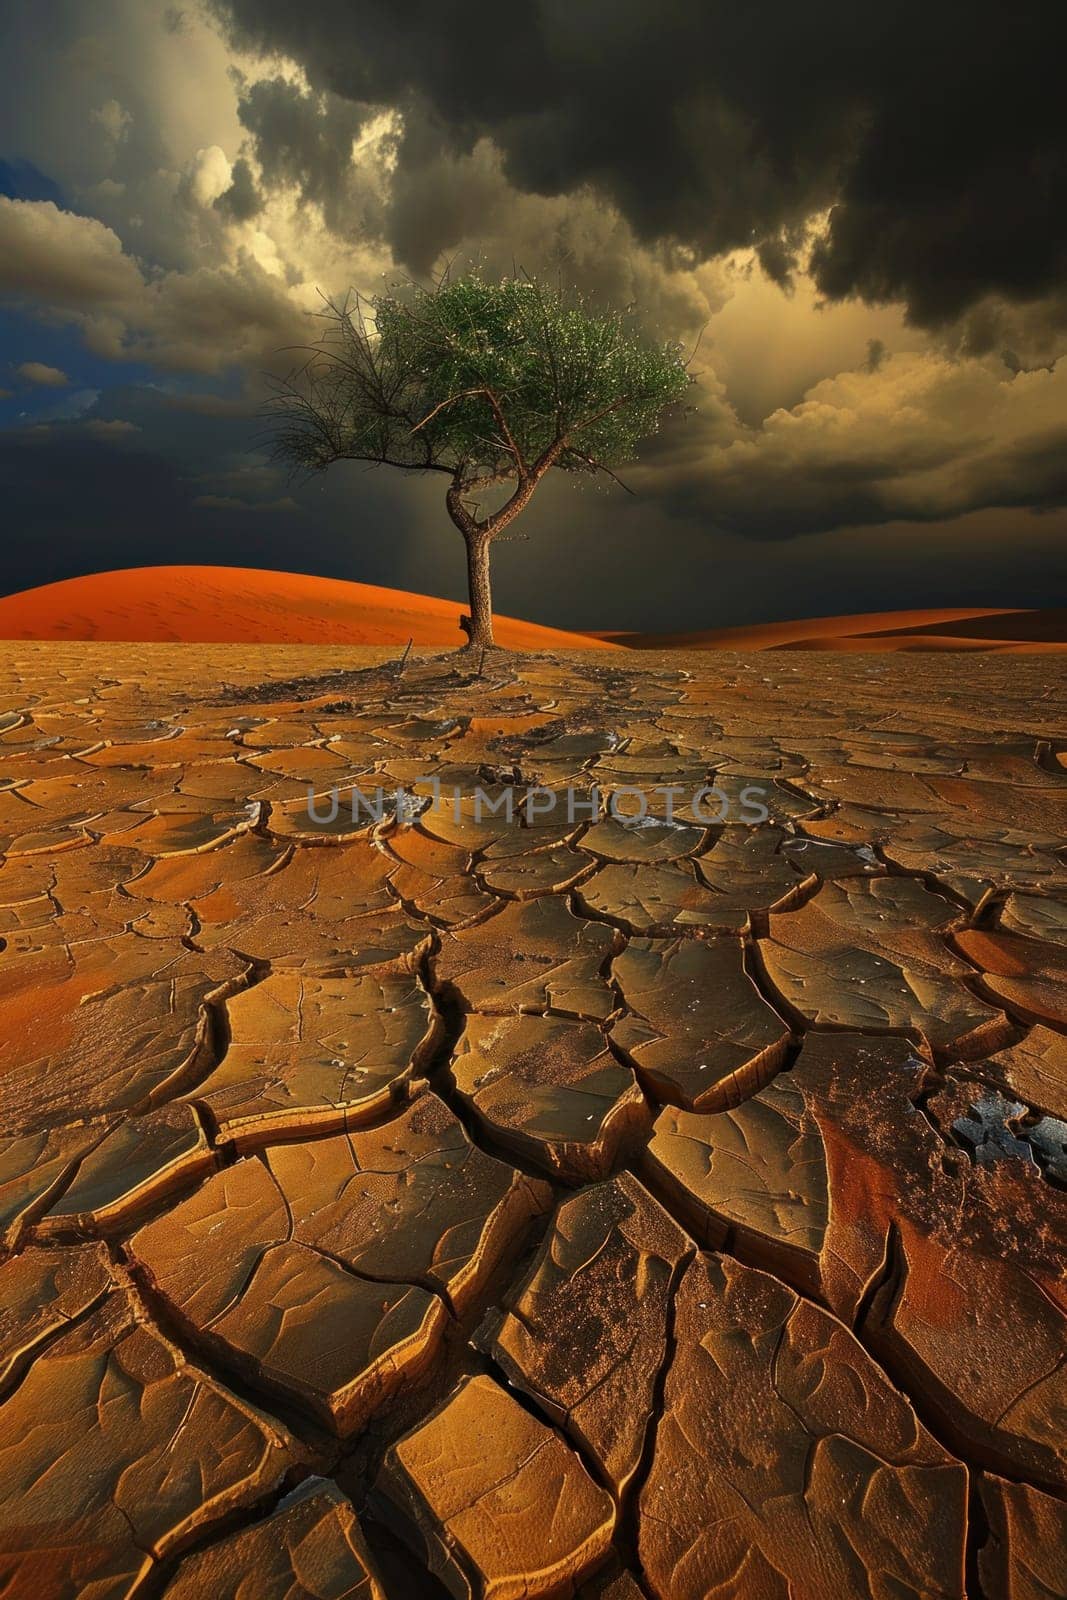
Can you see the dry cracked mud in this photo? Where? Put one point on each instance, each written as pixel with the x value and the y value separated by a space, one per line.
pixel 448 1190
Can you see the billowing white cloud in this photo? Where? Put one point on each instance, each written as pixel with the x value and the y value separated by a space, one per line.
pixel 210 175
pixel 106 430
pixel 204 320
pixel 39 372
pixel 916 435
pixel 54 258
pixel 113 118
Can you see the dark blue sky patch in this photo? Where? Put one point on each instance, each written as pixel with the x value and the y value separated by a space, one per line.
pixel 21 180
pixel 58 343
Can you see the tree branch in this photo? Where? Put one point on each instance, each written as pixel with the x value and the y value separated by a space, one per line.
pixel 405 466
pixel 501 421
pixel 598 466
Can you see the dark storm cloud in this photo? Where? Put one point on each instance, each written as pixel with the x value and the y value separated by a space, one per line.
pixel 778 258
pixel 876 354
pixel 933 131
pixel 306 140
pixel 242 200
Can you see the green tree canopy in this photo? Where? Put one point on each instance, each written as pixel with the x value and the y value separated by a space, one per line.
pixel 489 383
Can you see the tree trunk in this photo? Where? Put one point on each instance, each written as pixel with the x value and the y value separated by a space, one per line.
pixel 480 629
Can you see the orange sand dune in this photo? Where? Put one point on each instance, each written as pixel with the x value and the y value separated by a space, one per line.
pixel 953 628
pixel 243 605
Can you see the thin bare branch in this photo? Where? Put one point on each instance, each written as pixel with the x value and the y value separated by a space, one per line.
pixel 598 466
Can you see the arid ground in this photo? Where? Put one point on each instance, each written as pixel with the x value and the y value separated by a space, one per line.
pixel 519 1207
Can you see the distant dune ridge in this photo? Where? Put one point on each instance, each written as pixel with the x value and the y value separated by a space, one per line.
pixel 245 605
pixel 946 628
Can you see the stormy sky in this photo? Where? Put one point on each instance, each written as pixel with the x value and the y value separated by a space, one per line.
pixel 859 211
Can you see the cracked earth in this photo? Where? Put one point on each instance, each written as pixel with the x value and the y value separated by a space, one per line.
pixel 456 1204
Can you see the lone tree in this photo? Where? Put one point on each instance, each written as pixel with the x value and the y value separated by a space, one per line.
pixel 492 384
